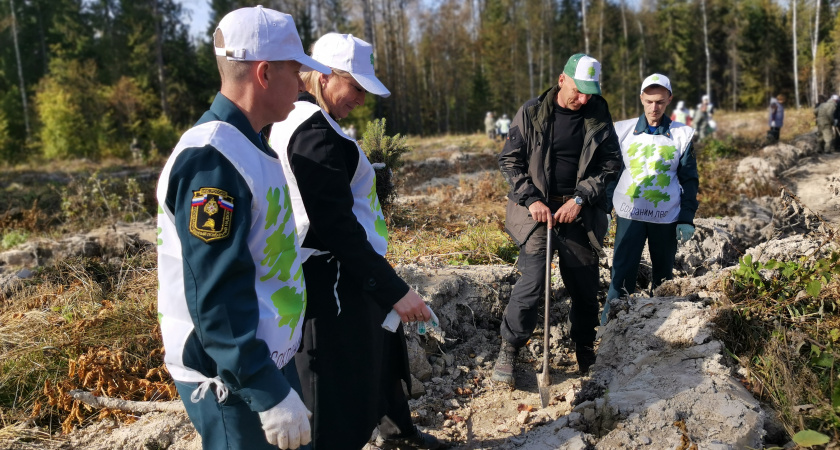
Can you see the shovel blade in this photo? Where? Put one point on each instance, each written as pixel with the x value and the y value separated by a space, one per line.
pixel 544 382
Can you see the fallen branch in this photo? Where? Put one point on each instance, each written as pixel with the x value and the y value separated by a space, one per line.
pixel 126 405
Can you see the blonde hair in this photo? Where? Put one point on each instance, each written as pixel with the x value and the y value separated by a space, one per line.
pixel 312 81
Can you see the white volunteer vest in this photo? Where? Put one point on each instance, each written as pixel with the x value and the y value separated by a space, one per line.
pixel 648 189
pixel 278 280
pixel 366 206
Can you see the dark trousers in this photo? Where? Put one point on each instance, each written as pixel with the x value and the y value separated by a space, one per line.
pixel 351 369
pixel 397 419
pixel 579 271
pixel 630 237
pixel 230 425
pixel 773 134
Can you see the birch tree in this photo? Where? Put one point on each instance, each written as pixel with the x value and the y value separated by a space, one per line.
pixel 706 50
pixel 815 37
pixel 795 55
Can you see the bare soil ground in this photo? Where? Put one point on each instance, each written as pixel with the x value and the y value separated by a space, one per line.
pixel 816 183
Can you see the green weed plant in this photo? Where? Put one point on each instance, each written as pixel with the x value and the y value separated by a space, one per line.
pixel 784 327
pixel 12 238
pixel 90 202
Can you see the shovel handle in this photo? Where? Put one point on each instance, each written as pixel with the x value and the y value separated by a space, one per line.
pixel 548 257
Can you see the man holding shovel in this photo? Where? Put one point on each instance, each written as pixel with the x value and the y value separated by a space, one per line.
pixel 559 156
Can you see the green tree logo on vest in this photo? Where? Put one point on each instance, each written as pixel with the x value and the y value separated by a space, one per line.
pixel 649 183
pixel 159 229
pixel 280 255
pixel 381 227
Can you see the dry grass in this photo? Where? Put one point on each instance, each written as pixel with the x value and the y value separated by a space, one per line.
pixel 443 146
pixel 81 324
pixel 752 125
pixel 457 225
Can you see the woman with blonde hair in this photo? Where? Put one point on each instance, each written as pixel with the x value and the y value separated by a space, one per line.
pixel 351 369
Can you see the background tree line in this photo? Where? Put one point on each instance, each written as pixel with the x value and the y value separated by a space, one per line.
pixel 89 77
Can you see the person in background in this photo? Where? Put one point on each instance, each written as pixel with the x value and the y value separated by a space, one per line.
pixel 776 117
pixel 560 155
pixel 655 198
pixel 351 368
pixel 826 121
pixel 490 126
pixel 231 299
pixel 503 125
pixel 681 114
pixel 703 118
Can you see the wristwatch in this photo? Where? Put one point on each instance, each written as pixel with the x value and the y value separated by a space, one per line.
pixel 578 200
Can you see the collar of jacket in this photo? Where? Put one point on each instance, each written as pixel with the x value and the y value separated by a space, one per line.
pixel 545 108
pixel 664 127
pixel 594 111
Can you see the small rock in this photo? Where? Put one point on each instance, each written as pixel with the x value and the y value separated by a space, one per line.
pixel 570 395
pixel 24 273
pixel 417 388
pixel 479 360
pixel 448 423
pixel 518 440
pixel 449 359
pixel 524 417
pixel 589 415
pixel 645 440
pixel 19 258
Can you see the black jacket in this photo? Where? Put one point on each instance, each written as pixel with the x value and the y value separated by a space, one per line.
pixel 525 164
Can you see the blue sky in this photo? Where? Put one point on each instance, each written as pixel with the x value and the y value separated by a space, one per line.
pixel 199 12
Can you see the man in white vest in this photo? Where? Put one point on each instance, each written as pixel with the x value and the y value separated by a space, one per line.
pixel 656 196
pixel 232 294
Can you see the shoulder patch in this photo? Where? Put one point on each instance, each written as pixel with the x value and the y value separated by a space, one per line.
pixel 211 212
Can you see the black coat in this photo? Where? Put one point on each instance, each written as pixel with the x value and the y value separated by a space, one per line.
pixel 345 358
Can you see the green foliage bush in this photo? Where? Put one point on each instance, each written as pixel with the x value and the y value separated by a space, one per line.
pixel 12 238
pixel 162 136
pixel 387 150
pixel 716 148
pixel 130 106
pixel 69 105
pixel 5 137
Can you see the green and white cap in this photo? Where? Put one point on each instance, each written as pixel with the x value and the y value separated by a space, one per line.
pixel 586 71
pixel 656 79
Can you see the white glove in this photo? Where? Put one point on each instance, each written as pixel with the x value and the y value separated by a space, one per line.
pixel 286 425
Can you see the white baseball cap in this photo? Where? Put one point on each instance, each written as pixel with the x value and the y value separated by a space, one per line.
pixel 262 34
pixel 656 79
pixel 350 54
